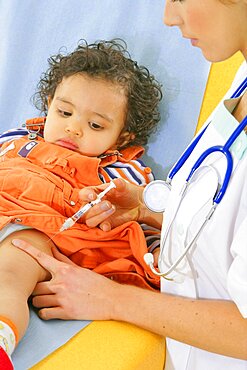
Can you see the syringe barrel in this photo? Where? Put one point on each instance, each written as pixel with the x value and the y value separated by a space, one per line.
pixel 67 224
pixel 81 212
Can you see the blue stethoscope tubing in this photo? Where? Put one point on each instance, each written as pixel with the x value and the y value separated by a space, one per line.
pixel 225 150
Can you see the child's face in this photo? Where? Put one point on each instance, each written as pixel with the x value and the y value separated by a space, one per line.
pixel 86 115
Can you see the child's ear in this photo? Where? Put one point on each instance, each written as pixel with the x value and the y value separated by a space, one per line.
pixel 125 138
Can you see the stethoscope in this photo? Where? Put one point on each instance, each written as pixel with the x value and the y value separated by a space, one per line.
pixel 157 192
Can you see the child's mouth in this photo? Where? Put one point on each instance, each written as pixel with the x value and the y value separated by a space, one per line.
pixel 67 143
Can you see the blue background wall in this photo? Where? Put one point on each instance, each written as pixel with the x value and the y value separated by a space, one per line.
pixel 32 30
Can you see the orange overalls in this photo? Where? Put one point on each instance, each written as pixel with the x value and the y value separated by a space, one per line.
pixel 39 187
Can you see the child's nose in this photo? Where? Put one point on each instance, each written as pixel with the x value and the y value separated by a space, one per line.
pixel 73 130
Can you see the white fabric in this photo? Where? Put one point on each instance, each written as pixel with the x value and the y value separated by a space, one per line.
pixel 218 261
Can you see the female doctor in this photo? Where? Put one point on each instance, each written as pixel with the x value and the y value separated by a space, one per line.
pixel 202 310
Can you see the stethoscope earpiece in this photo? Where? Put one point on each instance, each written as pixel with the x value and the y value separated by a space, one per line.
pixel 148 258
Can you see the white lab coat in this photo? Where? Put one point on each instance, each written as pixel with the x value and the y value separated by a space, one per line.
pixel 218 262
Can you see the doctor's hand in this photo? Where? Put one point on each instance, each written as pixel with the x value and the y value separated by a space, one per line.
pixel 120 205
pixel 73 293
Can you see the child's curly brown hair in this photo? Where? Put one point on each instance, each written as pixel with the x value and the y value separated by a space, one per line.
pixel 108 60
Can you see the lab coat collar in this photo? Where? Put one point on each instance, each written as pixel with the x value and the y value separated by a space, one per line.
pixel 225 123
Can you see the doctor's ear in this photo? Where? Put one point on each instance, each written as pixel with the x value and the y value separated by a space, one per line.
pixel 125 138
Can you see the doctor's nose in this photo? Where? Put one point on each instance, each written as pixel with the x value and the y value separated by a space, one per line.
pixel 171 16
pixel 73 131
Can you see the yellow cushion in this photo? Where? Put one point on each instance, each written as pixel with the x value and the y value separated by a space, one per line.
pixel 220 78
pixel 108 345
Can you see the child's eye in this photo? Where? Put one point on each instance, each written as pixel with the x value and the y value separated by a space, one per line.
pixel 64 113
pixel 95 126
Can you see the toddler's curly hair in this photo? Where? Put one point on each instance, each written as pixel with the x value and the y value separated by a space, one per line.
pixel 110 61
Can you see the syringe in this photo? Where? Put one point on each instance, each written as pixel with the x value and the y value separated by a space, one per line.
pixel 73 219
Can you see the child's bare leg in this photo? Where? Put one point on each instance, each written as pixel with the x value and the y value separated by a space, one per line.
pixel 19 274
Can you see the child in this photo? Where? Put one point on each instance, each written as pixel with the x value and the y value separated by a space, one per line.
pixel 99 107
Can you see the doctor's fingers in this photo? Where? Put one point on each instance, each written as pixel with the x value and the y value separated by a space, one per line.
pixel 62 304
pixel 99 214
pixel 51 313
pixel 61 257
pixel 45 301
pixel 49 263
pixel 89 193
pixel 43 288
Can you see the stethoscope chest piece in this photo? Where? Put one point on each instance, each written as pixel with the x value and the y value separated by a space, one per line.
pixel 156 195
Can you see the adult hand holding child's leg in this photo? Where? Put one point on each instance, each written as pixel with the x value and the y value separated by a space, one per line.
pixel 19 275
